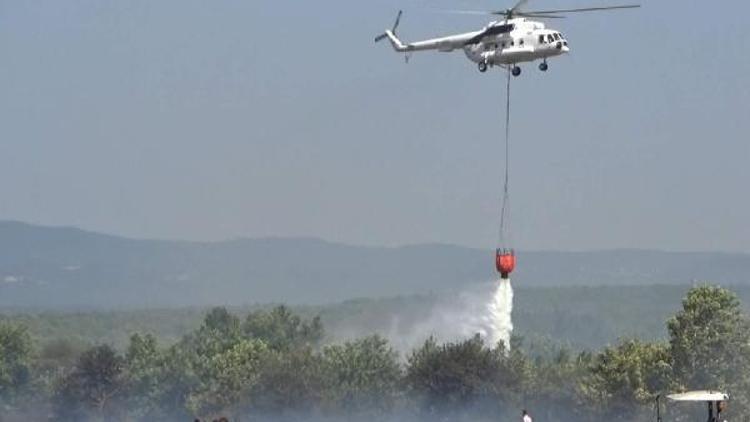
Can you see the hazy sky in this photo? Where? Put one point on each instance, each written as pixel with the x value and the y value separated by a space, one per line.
pixel 218 119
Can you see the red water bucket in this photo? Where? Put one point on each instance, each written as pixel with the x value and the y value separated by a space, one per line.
pixel 505 262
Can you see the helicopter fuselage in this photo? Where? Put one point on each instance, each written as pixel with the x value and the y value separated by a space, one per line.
pixel 503 43
pixel 526 41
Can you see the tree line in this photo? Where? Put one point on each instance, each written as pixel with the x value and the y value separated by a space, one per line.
pixel 275 364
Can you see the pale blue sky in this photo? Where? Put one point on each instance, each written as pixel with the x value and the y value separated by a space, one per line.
pixel 218 119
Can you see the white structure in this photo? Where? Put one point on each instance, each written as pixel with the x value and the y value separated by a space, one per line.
pixel 716 401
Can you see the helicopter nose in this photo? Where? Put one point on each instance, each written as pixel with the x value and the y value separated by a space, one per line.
pixel 563 46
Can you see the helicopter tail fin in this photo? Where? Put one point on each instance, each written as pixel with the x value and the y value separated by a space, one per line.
pixel 391 35
pixel 395 42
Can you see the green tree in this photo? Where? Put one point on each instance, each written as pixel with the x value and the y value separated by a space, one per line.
pixel 453 376
pixel 514 372
pixel 15 361
pixel 178 379
pixel 710 344
pixel 364 375
pixel 193 373
pixel 143 377
pixel 709 339
pixel 553 383
pixel 220 320
pixel 291 381
pixel 220 331
pixel 283 330
pixel 624 379
pixel 93 385
pixel 208 372
pixel 226 379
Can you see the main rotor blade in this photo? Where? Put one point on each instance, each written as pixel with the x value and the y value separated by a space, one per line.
pixel 543 16
pixel 517 5
pixel 537 13
pixel 380 37
pixel 482 12
pixel 585 9
pixel 468 12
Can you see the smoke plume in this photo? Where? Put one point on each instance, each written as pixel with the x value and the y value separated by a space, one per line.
pixel 483 308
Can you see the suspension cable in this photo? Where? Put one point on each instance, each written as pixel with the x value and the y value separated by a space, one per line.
pixel 505 208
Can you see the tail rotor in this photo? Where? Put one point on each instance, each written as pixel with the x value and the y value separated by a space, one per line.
pixel 382 36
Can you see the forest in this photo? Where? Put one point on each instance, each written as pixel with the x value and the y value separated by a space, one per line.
pixel 277 363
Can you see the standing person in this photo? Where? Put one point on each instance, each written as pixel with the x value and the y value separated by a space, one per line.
pixel 525 416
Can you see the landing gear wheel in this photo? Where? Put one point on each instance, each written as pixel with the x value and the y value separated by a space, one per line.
pixel 516 71
pixel 482 66
pixel 543 66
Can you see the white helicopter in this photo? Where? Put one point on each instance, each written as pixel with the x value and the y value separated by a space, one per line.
pixel 502 43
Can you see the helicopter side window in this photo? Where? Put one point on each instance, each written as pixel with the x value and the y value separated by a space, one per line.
pixel 520 42
pixel 541 39
pixel 557 36
pixel 550 38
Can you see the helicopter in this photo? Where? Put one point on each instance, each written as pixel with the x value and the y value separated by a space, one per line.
pixel 505 43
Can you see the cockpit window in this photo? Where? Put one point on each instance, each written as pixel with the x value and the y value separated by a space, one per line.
pixel 549 38
pixel 557 36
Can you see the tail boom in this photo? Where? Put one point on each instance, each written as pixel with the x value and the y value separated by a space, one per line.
pixel 396 43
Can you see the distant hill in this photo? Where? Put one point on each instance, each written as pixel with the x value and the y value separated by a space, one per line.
pixel 69 267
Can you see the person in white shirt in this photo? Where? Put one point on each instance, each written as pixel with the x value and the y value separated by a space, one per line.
pixel 525 416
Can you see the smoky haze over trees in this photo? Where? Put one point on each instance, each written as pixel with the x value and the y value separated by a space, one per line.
pixel 275 364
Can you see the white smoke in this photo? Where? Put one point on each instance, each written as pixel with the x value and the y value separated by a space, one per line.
pixel 484 309
pixel 499 312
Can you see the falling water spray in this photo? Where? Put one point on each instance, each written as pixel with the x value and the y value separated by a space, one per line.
pixel 499 310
